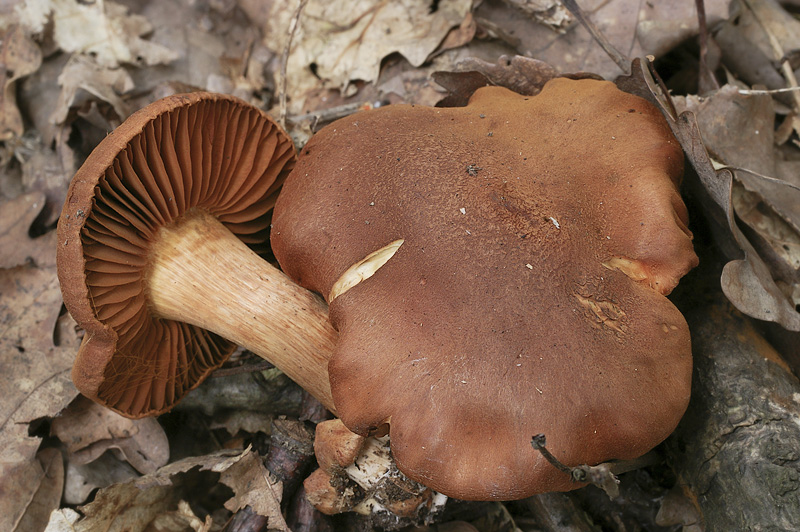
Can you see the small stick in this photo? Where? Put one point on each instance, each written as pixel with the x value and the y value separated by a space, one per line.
pixel 538 442
pixel 285 59
pixel 768 91
pixel 663 86
pixel 334 113
pixel 705 72
pixel 602 475
pixel 263 365
pixel 622 61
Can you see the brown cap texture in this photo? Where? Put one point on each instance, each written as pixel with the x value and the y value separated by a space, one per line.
pixel 202 152
pixel 539 238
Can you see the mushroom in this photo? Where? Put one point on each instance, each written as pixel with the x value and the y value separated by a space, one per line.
pixel 160 256
pixel 497 271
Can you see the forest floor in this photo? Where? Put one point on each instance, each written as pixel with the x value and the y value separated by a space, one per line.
pixel 74 70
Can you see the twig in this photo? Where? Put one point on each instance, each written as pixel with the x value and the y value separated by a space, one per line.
pixel 538 442
pixel 705 72
pixel 334 113
pixel 604 475
pixel 622 61
pixel 285 59
pixel 768 91
pixel 249 368
pixel 651 69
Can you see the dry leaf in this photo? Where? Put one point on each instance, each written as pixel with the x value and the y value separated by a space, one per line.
pixel 83 79
pixel 521 74
pixel 678 509
pixel 254 486
pixel 62 520
pixel 250 421
pixel 738 131
pixel 31 491
pixel 118 508
pixel 757 20
pixel 16 218
pixel 459 36
pixel 49 171
pixel 34 371
pixel 101 29
pixel 634 28
pixel 88 430
pixel 82 480
pixel 746 280
pixel 217 52
pixel 181 520
pixel 460 86
pixel 337 43
pixel 155 498
pixel 19 57
pixel 38 95
pixel 550 13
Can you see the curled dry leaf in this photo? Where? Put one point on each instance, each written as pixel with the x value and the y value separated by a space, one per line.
pixel 29 492
pixel 84 79
pixel 746 280
pixel 254 486
pixel 82 480
pixel 459 36
pixel 522 75
pixel 37 97
pixel 19 57
pixel 135 504
pixel 88 430
pixel 738 131
pixel 677 508
pixel 103 30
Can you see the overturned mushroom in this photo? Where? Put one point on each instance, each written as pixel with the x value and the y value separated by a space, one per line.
pixel 157 258
pixel 537 239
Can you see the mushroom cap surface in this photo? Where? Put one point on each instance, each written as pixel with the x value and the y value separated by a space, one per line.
pixel 191 152
pixel 540 236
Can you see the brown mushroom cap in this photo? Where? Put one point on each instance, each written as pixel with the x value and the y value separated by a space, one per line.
pixel 200 153
pixel 540 235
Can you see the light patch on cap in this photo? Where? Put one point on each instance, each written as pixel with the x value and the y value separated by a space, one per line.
pixel 632 268
pixel 363 269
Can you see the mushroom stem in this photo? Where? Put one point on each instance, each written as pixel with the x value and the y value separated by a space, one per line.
pixel 201 273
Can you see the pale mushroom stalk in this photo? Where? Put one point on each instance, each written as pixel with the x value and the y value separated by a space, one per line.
pixel 202 274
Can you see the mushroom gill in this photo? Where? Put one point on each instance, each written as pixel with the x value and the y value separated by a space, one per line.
pixel 187 155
